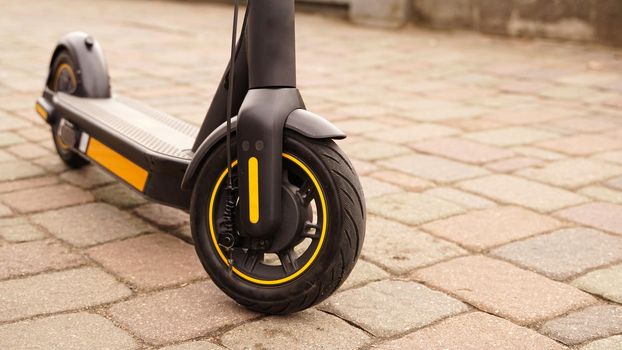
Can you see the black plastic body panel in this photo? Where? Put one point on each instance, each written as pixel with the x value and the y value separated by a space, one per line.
pixel 301 121
pixel 271 44
pixel 260 127
pixel 313 126
pixel 166 172
pixel 88 55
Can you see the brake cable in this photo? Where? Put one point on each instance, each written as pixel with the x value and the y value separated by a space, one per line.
pixel 234 38
pixel 227 240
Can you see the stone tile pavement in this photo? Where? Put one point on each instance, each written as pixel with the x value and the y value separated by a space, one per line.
pixel 492 167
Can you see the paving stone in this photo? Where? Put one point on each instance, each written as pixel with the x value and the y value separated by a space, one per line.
pixel 433 168
pixel 479 230
pixel 58 291
pixel 412 209
pixel 362 167
pixel 179 314
pixel 514 190
pixel 529 114
pixel 564 253
pixel 52 164
pixel 363 273
pixel 405 181
pixel 539 153
pixel 373 150
pixel 413 133
pixel 34 134
pixel 572 173
pixel 582 145
pixel 162 216
pixel 8 138
pixel 90 224
pixel 119 195
pixel 472 331
pixel 358 126
pixel 601 193
pixel 610 343
pixel 615 183
pixel 151 261
pixel 583 124
pixel 45 198
pixel 513 136
pixel 309 329
pixel 28 151
pixel 184 232
pixel 504 290
pixel 21 232
pixel 588 324
pixel 512 164
pixel 11 186
pixel 604 282
pixel 34 257
pixel 374 188
pixel 67 332
pixel 87 177
pixel 15 170
pixel 466 200
pixel 14 221
pixel 567 92
pixel 604 216
pixel 12 123
pixel 462 150
pixel 614 157
pixel 475 124
pixel 401 249
pixel 411 306
pixel 4 156
pixel 456 111
pixel 5 211
pixel 195 345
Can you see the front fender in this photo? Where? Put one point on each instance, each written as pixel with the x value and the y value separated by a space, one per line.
pixel 301 121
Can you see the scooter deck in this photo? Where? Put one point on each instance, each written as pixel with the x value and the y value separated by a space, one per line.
pixel 153 129
pixel 147 149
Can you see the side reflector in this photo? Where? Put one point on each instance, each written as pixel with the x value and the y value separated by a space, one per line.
pixel 117 164
pixel 253 189
pixel 84 142
pixel 41 111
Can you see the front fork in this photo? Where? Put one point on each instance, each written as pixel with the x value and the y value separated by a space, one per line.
pixel 261 123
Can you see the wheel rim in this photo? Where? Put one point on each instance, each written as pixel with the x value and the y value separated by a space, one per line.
pixel 291 262
pixel 65 79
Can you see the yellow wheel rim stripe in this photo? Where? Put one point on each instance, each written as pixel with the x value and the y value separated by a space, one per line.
pixel 315 253
pixel 60 69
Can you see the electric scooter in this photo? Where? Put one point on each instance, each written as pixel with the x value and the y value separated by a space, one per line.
pixel 277 211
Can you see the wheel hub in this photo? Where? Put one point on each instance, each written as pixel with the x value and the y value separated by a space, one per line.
pixel 294 217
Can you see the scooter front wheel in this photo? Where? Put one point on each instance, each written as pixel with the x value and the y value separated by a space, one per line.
pixel 317 245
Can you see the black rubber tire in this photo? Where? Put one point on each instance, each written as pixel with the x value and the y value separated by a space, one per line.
pixel 344 236
pixel 69 157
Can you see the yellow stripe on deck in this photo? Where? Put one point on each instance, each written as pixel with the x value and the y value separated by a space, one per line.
pixel 117 164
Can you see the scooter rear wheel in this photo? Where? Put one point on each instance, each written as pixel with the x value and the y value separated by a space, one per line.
pixel 317 245
pixel 64 79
